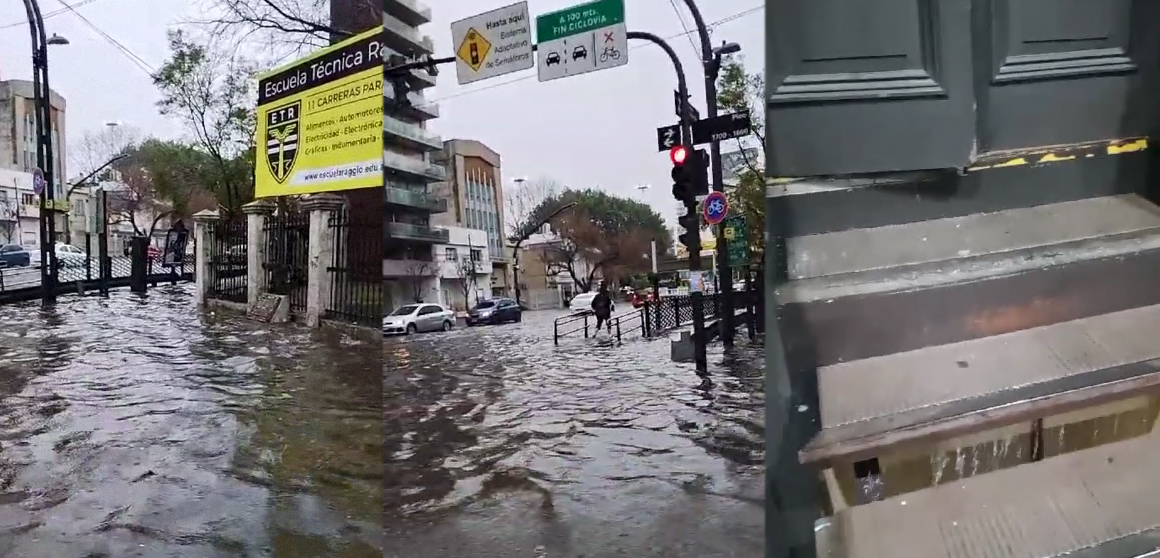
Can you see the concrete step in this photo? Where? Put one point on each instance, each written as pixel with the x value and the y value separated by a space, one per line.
pixel 1100 502
pixel 920 397
pixel 871 292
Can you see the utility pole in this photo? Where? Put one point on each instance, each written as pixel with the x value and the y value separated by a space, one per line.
pixel 711 63
pixel 684 175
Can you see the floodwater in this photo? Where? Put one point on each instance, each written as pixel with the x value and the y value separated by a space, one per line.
pixel 500 445
pixel 139 426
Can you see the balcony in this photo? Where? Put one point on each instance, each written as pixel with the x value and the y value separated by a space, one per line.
pixel 417 233
pixel 412 168
pixel 410 136
pixel 410 12
pixel 403 38
pixel 417 106
pixel 421 200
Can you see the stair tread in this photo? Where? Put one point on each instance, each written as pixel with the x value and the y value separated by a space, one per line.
pixel 1095 500
pixel 937 240
pixel 888 385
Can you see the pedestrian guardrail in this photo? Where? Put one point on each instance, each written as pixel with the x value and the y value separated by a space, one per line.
pixel 583 321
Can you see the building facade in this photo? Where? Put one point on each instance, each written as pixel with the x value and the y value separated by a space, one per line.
pixel 19 210
pixel 409 236
pixel 18 139
pixel 474 194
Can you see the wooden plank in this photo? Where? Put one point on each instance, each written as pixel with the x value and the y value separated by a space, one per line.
pixel 1103 498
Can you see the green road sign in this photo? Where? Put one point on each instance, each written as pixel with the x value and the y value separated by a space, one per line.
pixel 582 18
pixel 736 232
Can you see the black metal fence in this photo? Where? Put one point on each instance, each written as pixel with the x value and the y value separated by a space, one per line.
pixel 287 254
pixel 228 251
pixel 356 291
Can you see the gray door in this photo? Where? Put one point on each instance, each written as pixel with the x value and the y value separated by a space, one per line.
pixel 859 86
pixel 1053 72
pixel 894 85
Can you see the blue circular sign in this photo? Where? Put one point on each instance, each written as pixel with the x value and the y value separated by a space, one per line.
pixel 715 208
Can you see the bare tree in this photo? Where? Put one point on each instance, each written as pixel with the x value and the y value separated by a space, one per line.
pixel 95 149
pixel 587 252
pixel 134 200
pixel 522 200
pixel 9 217
pixel 416 271
pixel 294 25
pixel 466 269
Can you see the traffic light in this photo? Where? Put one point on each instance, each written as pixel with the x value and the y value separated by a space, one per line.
pixel 683 189
pixel 691 222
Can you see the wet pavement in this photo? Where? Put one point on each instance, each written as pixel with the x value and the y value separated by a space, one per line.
pixel 140 427
pixel 500 445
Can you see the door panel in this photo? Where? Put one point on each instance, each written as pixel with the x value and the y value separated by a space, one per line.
pixel 857 87
pixel 1052 72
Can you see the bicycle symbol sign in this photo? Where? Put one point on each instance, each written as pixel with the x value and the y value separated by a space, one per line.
pixel 715 208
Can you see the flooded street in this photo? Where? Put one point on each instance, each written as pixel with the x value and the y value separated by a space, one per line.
pixel 137 426
pixel 499 444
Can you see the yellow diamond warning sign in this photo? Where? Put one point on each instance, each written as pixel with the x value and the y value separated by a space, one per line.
pixel 493 43
pixel 474 49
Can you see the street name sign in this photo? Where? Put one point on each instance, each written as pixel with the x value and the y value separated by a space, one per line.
pixel 723 127
pixel 320 121
pixel 493 43
pixel 668 137
pixel 581 39
pixel 715 208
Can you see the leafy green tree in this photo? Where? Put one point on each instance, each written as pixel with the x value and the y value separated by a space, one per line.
pixel 738 91
pixel 211 92
pixel 600 235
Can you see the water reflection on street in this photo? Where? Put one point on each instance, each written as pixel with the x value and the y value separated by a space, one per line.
pixel 137 426
pixel 500 445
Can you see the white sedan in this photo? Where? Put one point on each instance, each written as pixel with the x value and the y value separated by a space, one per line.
pixel 583 303
pixel 416 318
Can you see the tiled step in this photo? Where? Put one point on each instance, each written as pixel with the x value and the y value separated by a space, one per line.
pixel 1100 502
pixel 864 293
pixel 936 393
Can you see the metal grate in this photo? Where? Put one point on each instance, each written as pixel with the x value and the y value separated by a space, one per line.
pixel 287 254
pixel 227 259
pixel 356 290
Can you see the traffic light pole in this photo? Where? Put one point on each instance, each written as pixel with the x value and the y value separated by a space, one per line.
pixel 698 299
pixel 711 63
pixel 41 101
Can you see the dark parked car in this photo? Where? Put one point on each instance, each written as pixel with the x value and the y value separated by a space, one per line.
pixel 12 255
pixel 495 311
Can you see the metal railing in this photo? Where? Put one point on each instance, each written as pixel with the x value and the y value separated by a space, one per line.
pixel 228 257
pixel 287 255
pixel 618 324
pixel 356 291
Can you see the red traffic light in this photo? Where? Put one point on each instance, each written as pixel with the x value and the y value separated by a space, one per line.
pixel 678 154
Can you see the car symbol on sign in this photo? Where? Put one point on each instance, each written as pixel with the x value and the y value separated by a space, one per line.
pixel 553 58
pixel 579 52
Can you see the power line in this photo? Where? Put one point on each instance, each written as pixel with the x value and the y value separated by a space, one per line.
pixel 136 60
pixel 710 25
pixel 47 15
pixel 688 34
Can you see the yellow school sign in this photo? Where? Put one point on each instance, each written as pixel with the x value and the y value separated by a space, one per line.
pixel 320 121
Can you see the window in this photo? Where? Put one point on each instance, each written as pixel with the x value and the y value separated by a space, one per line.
pixel 28 199
pixel 476 255
pixel 451 254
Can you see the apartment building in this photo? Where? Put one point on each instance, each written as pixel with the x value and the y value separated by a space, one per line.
pixel 474 195
pixel 18 139
pixel 409 169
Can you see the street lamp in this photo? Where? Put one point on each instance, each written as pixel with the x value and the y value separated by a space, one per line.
pixel 57 40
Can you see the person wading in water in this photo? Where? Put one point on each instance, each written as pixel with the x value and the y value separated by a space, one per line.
pixel 602 307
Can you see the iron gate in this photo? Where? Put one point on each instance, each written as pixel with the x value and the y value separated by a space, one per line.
pixel 287 252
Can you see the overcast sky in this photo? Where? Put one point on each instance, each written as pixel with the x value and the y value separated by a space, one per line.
pixel 98 80
pixel 596 129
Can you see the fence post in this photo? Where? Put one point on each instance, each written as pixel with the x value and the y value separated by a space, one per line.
pixel 321 208
pixel 203 222
pixel 256 212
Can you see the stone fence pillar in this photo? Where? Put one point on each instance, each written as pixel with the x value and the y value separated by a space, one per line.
pixel 321 207
pixel 257 212
pixel 203 237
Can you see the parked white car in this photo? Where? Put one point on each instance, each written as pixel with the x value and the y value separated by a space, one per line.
pixel 583 303
pixel 67 255
pixel 417 318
